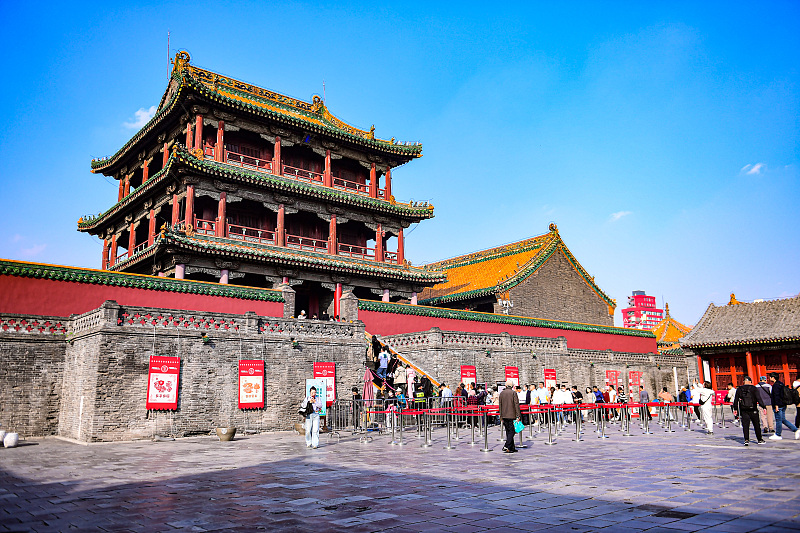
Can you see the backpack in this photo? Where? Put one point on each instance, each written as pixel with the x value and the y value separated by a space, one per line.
pixel 786 395
pixel 746 400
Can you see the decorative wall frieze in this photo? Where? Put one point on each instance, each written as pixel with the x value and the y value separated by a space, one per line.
pixel 198 109
pixel 171 188
pixel 202 270
pixel 227 265
pixel 148 204
pixel 224 186
pixel 214 195
pixel 227 117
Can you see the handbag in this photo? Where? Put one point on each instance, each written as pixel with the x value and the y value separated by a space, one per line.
pixel 518 426
pixel 307 410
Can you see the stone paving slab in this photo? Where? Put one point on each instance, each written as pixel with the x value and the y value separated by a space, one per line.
pixel 683 481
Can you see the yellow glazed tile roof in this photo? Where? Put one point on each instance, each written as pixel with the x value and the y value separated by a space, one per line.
pixel 669 330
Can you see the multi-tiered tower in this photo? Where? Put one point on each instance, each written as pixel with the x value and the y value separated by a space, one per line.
pixel 232 182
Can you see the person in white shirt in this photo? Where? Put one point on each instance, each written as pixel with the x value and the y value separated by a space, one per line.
pixel 410 375
pixel 612 398
pixel 705 400
pixel 383 363
pixel 312 419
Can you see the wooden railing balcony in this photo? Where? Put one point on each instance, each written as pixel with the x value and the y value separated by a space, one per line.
pixel 302 174
pixel 306 243
pixel 130 253
pixel 246 161
pixel 390 257
pixel 353 250
pixel 351 186
pixel 243 233
pixel 206 227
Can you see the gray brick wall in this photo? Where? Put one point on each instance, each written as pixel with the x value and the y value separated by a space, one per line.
pixel 557 292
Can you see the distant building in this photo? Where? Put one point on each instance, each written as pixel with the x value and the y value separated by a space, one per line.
pixel 668 332
pixel 641 312
pixel 747 339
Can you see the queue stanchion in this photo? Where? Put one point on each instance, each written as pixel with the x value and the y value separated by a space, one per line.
pixel 390 417
pixel 645 419
pixel 426 421
pixel 520 445
pixel 668 428
pixel 683 408
pixel 550 441
pixel 626 410
pixel 472 423
pixel 400 416
pixel 688 419
pixel 577 426
pixel 722 418
pixel 485 432
pixel 447 418
pixel 602 434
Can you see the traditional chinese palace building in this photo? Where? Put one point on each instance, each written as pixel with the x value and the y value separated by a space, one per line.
pixel 537 277
pixel 747 339
pixel 229 182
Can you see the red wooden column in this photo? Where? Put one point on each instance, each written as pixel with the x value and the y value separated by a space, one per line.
pixel 280 227
pixel 277 162
pixel 373 181
pixel 337 296
pixel 333 241
pixel 121 194
pixel 189 135
pixel 131 239
pixel 327 180
pixel 145 170
pixel 219 150
pixel 198 134
pixel 165 157
pixel 387 195
pixel 750 370
pixel 401 247
pixel 151 230
pixel 379 243
pixel 104 262
pixel 127 189
pixel 113 258
pixel 176 210
pixel 189 215
pixel 222 220
pixel 700 369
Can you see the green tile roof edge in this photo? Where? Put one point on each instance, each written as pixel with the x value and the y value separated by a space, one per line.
pixel 475 316
pixel 137 281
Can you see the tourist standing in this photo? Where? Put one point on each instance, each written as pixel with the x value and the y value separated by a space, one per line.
pixel 729 396
pixel 644 399
pixel 400 378
pixel 411 375
pixel 509 411
pixel 780 400
pixel 383 363
pixel 796 386
pixel 312 419
pixel 767 416
pixel 704 401
pixel 745 403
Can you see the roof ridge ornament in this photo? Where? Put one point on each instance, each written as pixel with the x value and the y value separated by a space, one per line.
pixel 734 301
pixel 182 59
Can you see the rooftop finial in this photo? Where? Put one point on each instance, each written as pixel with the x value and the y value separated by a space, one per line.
pixel 666 310
pixel 734 301
pixel 182 59
pixel 553 226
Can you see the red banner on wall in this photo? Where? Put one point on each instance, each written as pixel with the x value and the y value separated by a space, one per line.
pixel 162 383
pixel 549 377
pixel 634 380
pixel 327 371
pixel 251 384
pixel 512 374
pixel 468 374
pixel 612 378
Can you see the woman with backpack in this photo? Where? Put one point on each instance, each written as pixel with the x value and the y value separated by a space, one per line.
pixel 746 401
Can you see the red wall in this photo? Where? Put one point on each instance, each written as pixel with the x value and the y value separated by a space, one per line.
pixel 393 323
pixel 31 296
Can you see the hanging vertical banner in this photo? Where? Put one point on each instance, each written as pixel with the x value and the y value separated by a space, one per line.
pixel 512 374
pixel 612 378
pixel 251 384
pixel 162 383
pixel 321 386
pixel 327 372
pixel 634 380
pixel 468 374
pixel 549 377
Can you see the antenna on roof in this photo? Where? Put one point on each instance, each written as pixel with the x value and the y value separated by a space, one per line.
pixel 168 56
pixel 323 91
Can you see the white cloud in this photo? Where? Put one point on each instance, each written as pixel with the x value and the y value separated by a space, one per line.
pixel 619 214
pixel 753 169
pixel 141 118
pixel 33 251
pixel 16 238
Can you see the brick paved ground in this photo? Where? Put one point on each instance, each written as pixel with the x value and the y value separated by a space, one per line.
pixel 683 481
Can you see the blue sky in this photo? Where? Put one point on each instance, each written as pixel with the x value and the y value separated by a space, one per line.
pixel 662 138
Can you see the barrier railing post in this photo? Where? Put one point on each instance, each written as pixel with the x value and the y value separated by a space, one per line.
pixel 472 423
pixel 646 420
pixel 400 416
pixel 669 421
pixel 688 418
pixel 447 418
pixel 602 434
pixel 627 417
pixel 549 428
pixel 485 433
pixel 577 426
pixel 722 408
pixel 390 419
pixel 426 421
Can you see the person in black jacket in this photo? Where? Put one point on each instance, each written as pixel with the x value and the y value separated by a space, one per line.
pixel 745 403
pixel 779 408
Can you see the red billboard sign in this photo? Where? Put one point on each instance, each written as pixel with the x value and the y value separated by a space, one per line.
pixel 512 374
pixel 327 371
pixel 162 383
pixel 468 374
pixel 549 377
pixel 251 384
pixel 634 380
pixel 612 378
